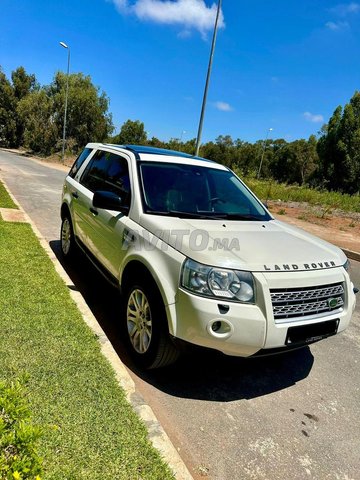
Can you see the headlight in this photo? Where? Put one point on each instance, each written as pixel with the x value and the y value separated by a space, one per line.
pixel 218 283
pixel 347 265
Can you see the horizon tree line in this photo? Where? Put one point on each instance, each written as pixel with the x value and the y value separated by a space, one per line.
pixel 31 116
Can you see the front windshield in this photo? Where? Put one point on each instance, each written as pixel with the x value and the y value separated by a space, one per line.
pixel 197 192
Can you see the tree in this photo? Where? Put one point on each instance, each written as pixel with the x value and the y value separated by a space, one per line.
pixel 23 84
pixel 131 132
pixel 88 118
pixel 153 142
pixel 295 162
pixel 303 160
pixel 224 151
pixel 328 150
pixel 247 157
pixel 8 119
pixel 339 148
pixel 36 111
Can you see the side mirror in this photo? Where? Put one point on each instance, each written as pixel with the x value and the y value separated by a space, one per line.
pixel 109 201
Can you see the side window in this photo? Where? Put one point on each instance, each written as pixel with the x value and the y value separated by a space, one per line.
pixel 109 172
pixel 79 161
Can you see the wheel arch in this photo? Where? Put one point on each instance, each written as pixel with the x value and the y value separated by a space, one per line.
pixel 65 210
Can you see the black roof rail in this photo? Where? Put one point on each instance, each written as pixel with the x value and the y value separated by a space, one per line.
pixel 139 149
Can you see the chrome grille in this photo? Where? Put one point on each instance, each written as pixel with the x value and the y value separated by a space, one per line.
pixel 291 303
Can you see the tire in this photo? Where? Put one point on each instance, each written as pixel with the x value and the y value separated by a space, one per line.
pixel 67 238
pixel 145 326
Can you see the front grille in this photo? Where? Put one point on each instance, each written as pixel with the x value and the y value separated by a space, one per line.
pixel 290 304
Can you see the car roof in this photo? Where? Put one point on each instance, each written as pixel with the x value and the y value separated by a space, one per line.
pixel 144 150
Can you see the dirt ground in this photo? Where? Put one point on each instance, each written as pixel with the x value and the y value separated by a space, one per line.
pixel 342 221
pixel 340 228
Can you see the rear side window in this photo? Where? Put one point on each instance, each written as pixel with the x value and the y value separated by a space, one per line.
pixel 109 172
pixel 79 161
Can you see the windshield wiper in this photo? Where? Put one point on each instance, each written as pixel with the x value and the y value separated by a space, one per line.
pixel 239 216
pixel 205 216
pixel 179 213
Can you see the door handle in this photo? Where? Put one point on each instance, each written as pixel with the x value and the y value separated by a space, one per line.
pixel 75 194
pixel 93 211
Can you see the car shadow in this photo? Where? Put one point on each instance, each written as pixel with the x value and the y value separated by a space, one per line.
pixel 212 376
pixel 200 373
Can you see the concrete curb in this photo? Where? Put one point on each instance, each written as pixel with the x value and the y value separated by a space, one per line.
pixel 352 255
pixel 156 433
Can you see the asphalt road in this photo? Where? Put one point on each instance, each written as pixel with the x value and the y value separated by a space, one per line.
pixel 292 416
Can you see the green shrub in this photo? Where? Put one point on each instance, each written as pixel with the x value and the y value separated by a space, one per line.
pixel 18 436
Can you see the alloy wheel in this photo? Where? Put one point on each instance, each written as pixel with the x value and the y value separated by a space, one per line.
pixel 139 321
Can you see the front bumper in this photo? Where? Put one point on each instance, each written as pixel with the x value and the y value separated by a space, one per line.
pixel 246 329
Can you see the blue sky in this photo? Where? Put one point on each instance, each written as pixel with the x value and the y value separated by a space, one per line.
pixel 280 64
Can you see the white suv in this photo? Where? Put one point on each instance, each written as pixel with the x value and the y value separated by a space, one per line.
pixel 198 257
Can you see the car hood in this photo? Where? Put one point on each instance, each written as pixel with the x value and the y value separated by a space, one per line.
pixel 245 245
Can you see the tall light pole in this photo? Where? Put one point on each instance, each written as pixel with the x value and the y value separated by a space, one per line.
pixel 198 139
pixel 182 133
pixel 66 100
pixel 263 152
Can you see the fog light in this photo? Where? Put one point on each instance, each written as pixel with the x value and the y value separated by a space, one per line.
pixel 215 327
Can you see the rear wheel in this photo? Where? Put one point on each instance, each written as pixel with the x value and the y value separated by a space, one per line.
pixel 67 238
pixel 146 328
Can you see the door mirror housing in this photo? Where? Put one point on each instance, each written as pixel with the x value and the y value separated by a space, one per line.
pixel 110 201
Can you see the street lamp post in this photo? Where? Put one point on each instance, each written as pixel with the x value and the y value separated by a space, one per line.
pixel 198 139
pixel 263 152
pixel 181 136
pixel 66 99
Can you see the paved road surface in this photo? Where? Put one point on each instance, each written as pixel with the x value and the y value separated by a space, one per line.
pixel 293 416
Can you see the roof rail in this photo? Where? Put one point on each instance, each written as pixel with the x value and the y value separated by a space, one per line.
pixel 139 149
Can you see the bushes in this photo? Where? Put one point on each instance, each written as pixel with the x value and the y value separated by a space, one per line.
pixel 18 436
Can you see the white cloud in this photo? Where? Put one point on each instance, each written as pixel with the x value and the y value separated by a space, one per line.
pixel 223 106
pixel 189 14
pixel 337 26
pixel 184 34
pixel 344 9
pixel 313 118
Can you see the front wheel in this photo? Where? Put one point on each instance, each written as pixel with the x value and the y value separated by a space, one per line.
pixel 145 328
pixel 67 239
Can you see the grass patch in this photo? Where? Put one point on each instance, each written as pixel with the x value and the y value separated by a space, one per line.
pixel 90 431
pixel 270 190
pixel 5 199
